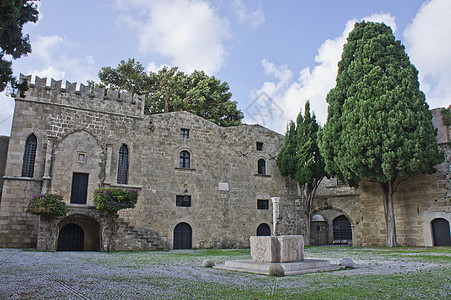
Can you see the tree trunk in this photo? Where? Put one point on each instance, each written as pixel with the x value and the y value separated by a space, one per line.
pixel 391 240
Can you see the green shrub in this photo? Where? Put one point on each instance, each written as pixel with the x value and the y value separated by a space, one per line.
pixel 47 205
pixel 115 199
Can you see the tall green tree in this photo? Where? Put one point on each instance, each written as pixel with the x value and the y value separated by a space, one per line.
pixel 171 90
pixel 379 126
pixel 300 159
pixel 13 15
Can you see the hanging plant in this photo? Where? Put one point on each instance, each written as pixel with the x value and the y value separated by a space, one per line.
pixel 47 205
pixel 115 199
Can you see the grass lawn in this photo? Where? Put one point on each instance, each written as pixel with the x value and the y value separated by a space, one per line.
pixel 381 273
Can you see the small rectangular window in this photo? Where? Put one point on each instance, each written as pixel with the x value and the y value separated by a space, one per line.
pixel 81 157
pixel 259 146
pixel 184 133
pixel 262 204
pixel 183 200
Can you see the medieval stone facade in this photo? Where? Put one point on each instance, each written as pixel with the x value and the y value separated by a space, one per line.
pixel 200 185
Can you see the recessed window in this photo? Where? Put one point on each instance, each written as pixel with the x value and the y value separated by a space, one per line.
pixel 259 146
pixel 184 160
pixel 262 204
pixel 261 166
pixel 122 165
pixel 184 133
pixel 29 156
pixel 183 200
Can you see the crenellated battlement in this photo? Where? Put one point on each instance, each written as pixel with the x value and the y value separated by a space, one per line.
pixel 85 97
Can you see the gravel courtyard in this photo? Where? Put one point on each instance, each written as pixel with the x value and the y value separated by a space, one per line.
pixel 400 273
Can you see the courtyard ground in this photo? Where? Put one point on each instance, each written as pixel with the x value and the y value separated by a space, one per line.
pixel 380 273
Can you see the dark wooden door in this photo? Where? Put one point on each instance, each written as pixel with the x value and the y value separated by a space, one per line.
pixel 182 236
pixel 440 232
pixel 71 238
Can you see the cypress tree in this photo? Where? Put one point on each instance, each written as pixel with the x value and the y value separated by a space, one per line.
pixel 300 159
pixel 379 126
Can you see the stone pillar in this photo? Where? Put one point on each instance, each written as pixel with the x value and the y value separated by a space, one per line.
pixel 46 185
pixel 275 215
pixel 109 158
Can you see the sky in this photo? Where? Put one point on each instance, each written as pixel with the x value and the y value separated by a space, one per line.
pixel 275 55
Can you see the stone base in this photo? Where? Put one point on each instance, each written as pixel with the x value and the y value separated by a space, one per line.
pixel 275 249
pixel 291 268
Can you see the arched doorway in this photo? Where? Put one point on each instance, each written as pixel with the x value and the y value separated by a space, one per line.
pixel 263 230
pixel 71 238
pixel 183 236
pixel 342 230
pixel 440 232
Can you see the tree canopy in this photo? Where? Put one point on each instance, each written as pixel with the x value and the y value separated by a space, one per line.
pixel 379 126
pixel 171 90
pixel 300 159
pixel 14 14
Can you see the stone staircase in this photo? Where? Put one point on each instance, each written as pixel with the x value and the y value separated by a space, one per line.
pixel 129 237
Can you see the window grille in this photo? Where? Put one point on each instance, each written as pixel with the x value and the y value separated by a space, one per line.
pixel 262 204
pixel 184 160
pixel 342 228
pixel 259 146
pixel 183 200
pixel 29 156
pixel 184 133
pixel 122 165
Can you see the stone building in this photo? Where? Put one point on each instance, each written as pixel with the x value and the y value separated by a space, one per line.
pixel 200 185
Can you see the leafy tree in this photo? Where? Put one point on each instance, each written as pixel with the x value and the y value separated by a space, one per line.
pixel 171 90
pixel 300 159
pixel 14 14
pixel 379 126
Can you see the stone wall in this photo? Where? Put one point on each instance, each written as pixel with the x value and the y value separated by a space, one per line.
pixel 222 179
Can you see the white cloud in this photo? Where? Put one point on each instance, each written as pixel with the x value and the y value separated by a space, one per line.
pixel 52 59
pixel 188 32
pixel 312 84
pixel 428 44
pixel 254 18
pixel 7 105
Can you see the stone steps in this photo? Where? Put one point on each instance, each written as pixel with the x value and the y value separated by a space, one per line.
pixel 141 238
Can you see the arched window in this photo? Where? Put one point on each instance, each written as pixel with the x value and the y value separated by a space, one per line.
pixel 29 156
pixel 263 230
pixel 122 165
pixel 184 159
pixel 261 166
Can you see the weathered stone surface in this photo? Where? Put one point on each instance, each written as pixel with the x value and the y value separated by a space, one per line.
pixel 276 270
pixel 208 263
pixel 285 248
pixel 291 248
pixel 347 263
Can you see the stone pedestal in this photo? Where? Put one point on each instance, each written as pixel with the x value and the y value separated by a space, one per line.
pixel 275 249
pixel 285 250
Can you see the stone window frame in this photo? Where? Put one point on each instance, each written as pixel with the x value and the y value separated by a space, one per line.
pixel 262 166
pixel 81 157
pixel 29 156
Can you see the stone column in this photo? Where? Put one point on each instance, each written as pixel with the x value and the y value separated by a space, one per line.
pixel 275 215
pixel 46 186
pixel 109 157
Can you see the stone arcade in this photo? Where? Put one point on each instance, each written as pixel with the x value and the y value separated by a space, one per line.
pixel 200 185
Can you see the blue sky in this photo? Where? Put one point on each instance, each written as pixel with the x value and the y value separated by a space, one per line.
pixel 275 55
